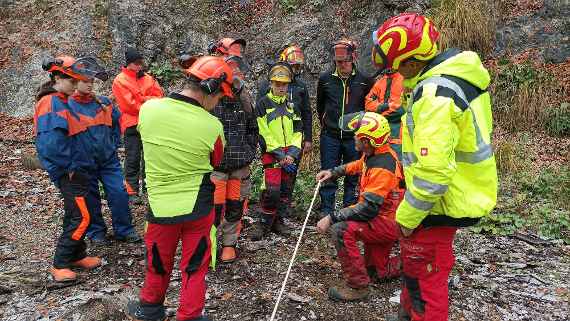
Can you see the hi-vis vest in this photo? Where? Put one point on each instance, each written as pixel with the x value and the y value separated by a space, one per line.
pixel 448 159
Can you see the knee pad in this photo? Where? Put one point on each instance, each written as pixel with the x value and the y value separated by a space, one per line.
pixel 337 233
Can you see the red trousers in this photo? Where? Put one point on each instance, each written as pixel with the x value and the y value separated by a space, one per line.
pixel 378 236
pixel 161 241
pixel 427 260
pixel 276 197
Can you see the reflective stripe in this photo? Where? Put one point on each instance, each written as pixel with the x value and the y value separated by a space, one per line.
pixel 417 203
pixel 432 188
pixel 408 158
pixel 443 82
pixel 484 151
pixel 278 112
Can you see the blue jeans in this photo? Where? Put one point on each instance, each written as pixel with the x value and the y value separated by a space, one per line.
pixel 334 152
pixel 111 176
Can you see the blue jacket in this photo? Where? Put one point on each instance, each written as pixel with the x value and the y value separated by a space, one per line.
pixel 77 133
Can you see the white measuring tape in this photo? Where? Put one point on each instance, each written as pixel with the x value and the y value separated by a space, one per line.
pixel 294 253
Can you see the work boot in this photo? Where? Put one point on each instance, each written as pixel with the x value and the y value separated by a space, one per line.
pixel 228 254
pixel 135 200
pixel 145 312
pixel 346 293
pixel 62 275
pixel 31 162
pixel 132 237
pixel 88 263
pixel 401 316
pixel 280 228
pixel 258 231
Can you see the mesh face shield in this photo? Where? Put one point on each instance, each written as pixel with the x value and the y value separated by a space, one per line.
pixel 343 52
pixel 90 68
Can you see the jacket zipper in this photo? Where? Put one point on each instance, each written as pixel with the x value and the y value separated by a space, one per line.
pixel 342 108
pixel 283 127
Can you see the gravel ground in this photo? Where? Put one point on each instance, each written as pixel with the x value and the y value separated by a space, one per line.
pixel 495 278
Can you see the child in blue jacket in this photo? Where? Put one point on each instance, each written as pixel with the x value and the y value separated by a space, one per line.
pixel 100 141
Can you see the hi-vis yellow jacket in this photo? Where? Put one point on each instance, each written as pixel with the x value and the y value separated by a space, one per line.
pixel 448 160
pixel 280 126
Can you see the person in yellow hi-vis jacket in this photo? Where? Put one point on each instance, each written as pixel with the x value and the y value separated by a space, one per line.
pixel 280 130
pixel 449 166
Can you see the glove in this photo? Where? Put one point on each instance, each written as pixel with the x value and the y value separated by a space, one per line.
pixel 291 168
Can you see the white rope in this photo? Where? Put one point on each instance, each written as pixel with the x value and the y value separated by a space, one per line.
pixel 294 253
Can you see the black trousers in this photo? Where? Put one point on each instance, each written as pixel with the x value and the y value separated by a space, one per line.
pixel 71 245
pixel 134 165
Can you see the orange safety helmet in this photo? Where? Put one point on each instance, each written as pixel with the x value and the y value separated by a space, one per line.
pixel 214 74
pixel 344 50
pixel 368 125
pixel 65 65
pixel 293 55
pixel 228 47
pixel 408 35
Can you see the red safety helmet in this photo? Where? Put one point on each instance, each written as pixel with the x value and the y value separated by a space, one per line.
pixel 228 47
pixel 408 35
pixel 64 64
pixel 214 74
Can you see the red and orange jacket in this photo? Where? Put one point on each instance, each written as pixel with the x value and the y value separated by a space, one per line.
pixel 131 91
pixel 75 134
pixel 380 187
pixel 385 98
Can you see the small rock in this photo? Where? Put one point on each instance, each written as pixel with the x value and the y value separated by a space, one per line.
pixel 298 298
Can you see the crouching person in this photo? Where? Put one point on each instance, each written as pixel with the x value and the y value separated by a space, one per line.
pixel 280 130
pixel 59 142
pixel 371 220
pixel 183 142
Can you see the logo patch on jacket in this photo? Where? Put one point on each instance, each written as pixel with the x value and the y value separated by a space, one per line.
pixel 424 151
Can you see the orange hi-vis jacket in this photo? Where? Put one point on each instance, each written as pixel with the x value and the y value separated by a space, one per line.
pixel 385 98
pixel 380 189
pixel 130 92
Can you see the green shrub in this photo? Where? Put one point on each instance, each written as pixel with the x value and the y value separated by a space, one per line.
pixel 165 73
pixel 558 120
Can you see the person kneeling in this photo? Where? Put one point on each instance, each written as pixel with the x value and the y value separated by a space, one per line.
pixel 371 220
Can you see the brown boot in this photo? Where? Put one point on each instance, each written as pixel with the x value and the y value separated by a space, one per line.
pixel 62 275
pixel 346 293
pixel 228 254
pixel 258 231
pixel 88 263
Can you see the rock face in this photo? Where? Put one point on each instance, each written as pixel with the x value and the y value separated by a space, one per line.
pixel 160 29
pixel 547 29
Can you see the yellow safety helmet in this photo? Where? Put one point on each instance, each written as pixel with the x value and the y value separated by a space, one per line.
pixel 280 72
pixel 368 125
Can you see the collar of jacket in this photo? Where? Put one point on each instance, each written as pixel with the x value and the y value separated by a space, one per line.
pixel 83 98
pixel 276 99
pixel 451 52
pixel 128 72
pixel 335 73
pixel 382 149
pixel 61 96
pixel 185 99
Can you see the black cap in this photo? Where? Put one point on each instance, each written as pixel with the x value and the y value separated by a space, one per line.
pixel 132 55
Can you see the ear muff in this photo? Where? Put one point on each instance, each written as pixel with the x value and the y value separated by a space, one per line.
pixel 213 47
pixel 213 85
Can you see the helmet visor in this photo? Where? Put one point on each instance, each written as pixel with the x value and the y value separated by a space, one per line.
pixel 238 64
pixel 342 52
pixel 90 68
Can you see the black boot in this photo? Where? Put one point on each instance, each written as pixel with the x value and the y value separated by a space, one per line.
pixel 146 312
